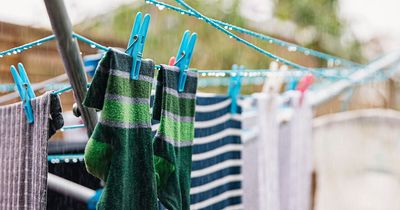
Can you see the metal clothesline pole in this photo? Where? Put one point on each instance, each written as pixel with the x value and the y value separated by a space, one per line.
pixel 70 53
pixel 69 188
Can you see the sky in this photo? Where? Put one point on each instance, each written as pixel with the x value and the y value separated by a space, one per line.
pixel 367 18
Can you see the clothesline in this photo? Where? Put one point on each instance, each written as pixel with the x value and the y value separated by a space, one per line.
pixel 19 49
pixel 93 44
pixel 206 74
pixel 290 46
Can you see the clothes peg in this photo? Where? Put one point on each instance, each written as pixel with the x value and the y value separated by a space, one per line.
pixel 136 43
pixel 235 84
pixel 304 84
pixel 273 83
pixel 184 56
pixel 292 84
pixel 171 61
pixel 24 89
pixel 25 79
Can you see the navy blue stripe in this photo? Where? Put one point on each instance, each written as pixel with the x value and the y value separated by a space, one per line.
pixel 204 116
pixel 201 148
pixel 211 100
pixel 224 203
pixel 202 180
pixel 195 198
pixel 208 131
pixel 198 165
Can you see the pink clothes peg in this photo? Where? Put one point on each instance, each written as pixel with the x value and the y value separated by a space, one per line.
pixel 304 84
pixel 171 61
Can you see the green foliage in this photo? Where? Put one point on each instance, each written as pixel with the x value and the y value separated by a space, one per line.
pixel 214 50
pixel 323 15
pixel 319 13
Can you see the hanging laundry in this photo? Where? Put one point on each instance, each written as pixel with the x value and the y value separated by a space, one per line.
pixel 174 137
pixel 216 170
pixel 23 152
pixel 356 160
pixel 267 154
pixel 285 182
pixel 250 125
pixel 120 149
pixel 295 156
pixel 56 120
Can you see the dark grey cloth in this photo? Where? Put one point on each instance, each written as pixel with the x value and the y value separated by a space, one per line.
pixel 55 117
pixel 23 154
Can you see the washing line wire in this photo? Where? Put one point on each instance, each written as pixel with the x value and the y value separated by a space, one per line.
pixel 291 46
pixel 93 44
pixel 19 49
pixel 251 45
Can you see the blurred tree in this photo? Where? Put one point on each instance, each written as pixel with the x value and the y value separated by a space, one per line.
pixel 214 50
pixel 323 15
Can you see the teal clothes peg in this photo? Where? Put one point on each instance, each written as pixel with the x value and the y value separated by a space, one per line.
pixel 292 84
pixel 136 43
pixel 184 57
pixel 235 84
pixel 24 89
pixel 25 79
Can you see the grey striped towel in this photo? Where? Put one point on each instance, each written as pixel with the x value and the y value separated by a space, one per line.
pixel 23 152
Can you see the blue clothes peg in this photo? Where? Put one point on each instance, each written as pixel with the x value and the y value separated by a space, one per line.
pixel 92 203
pixel 184 57
pixel 292 84
pixel 24 89
pixel 235 84
pixel 25 79
pixel 136 43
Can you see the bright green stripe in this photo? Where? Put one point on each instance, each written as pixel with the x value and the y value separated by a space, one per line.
pixel 179 106
pixel 128 87
pixel 179 131
pixel 125 112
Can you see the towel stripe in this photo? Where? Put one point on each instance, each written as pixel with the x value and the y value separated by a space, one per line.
pixel 126 75
pixel 216 183
pixel 216 199
pixel 217 151
pixel 216 160
pixel 127 99
pixel 123 124
pixel 175 143
pixel 180 95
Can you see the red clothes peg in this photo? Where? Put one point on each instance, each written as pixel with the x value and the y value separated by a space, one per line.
pixel 171 61
pixel 304 84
